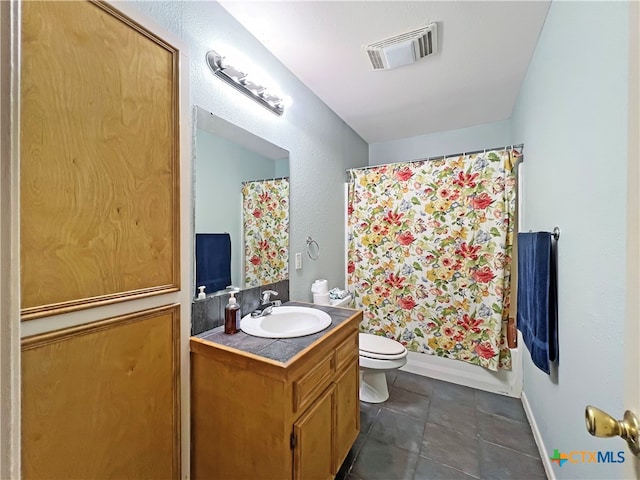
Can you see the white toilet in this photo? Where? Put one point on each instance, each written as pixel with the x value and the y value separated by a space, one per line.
pixel 377 356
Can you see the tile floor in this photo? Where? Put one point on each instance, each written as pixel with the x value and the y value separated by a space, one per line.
pixel 429 429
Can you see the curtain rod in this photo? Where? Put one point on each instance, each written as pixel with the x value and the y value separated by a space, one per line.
pixel 519 146
pixel 264 180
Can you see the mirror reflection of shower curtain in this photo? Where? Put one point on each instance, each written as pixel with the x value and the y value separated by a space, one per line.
pixel 429 254
pixel 265 212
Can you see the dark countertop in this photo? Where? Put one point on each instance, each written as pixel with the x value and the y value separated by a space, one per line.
pixel 278 349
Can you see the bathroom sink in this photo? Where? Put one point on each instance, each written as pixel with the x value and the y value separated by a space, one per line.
pixel 286 322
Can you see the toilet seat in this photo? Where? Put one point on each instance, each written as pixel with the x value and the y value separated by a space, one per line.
pixel 382 348
pixel 375 364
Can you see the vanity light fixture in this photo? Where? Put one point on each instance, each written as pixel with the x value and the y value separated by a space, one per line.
pixel 238 79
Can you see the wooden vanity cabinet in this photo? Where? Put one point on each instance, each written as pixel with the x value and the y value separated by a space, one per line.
pixel 256 418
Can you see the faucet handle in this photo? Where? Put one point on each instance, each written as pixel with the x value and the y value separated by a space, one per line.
pixel 266 295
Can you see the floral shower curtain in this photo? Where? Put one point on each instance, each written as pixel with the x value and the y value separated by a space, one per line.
pixel 429 255
pixel 265 206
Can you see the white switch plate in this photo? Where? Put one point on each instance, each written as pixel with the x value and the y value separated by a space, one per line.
pixel 298 261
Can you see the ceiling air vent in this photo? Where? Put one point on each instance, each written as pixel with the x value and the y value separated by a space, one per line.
pixel 403 49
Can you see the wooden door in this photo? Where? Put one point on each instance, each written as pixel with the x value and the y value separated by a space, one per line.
pixel 99 228
pixel 313 457
pixel 347 418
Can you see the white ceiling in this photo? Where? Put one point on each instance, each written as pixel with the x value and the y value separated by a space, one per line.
pixel 484 48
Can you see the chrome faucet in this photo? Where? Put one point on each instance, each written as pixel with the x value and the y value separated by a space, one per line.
pixel 266 308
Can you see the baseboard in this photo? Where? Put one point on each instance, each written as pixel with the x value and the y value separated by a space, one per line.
pixel 503 382
pixel 544 455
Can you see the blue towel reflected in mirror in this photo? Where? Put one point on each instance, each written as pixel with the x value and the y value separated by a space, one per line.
pixel 213 261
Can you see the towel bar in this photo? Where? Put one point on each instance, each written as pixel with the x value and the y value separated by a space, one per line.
pixel 555 234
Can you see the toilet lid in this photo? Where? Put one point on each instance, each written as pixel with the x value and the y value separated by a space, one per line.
pixel 375 344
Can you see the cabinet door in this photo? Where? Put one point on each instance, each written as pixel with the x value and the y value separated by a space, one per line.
pixel 347 412
pixel 313 446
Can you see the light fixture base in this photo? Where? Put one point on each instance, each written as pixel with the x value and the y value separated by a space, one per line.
pixel 239 81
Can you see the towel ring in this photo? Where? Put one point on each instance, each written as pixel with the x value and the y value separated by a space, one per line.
pixel 313 250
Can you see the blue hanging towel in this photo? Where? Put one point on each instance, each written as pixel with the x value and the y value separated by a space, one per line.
pixel 537 297
pixel 213 261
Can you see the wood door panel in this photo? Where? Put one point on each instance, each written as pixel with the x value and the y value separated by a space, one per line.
pixel 347 411
pixel 313 454
pixel 102 400
pixel 99 159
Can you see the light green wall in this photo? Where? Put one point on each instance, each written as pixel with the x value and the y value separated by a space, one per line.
pixel 478 137
pixel 572 116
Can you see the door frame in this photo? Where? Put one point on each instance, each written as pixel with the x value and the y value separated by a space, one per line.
pixel 632 316
pixel 9 241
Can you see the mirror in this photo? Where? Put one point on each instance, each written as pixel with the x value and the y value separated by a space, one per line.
pixel 241 190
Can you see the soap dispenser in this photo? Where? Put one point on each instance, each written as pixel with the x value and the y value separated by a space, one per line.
pixel 201 293
pixel 232 315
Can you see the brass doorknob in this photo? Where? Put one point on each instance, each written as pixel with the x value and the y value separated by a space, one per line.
pixel 601 424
